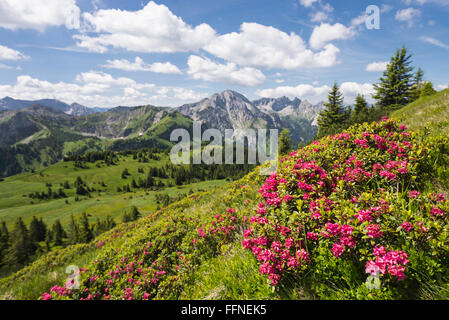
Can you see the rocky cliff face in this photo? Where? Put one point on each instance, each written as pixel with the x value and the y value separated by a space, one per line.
pixel 232 110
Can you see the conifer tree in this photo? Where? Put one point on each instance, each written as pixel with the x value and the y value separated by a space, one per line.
pixel 134 214
pixel 395 87
pixel 332 118
pixel 86 234
pixel 58 233
pixel 38 230
pixel 285 144
pixel 361 110
pixel 74 233
pixel 417 85
pixel 4 241
pixel 427 89
pixel 22 247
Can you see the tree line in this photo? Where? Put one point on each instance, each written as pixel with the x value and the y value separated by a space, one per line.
pixel 397 87
pixel 21 245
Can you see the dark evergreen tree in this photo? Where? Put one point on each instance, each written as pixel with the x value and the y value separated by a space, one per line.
pixel 417 85
pixel 395 87
pixel 21 247
pixel 285 143
pixel 38 230
pixel 74 233
pixel 134 213
pixel 427 89
pixel 4 241
pixel 58 233
pixel 332 118
pixel 86 234
pixel 361 110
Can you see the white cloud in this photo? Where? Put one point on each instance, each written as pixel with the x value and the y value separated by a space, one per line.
pixel 325 33
pixel 4 66
pixel 442 86
pixel 386 8
pixel 408 15
pixel 303 91
pixel 38 14
pixel 319 16
pixel 377 66
pixel 140 65
pixel 262 46
pixel 210 71
pixel 316 94
pixel 307 3
pixel 435 42
pixel 96 89
pixel 154 28
pixel 10 54
pixel 359 20
pixel 422 2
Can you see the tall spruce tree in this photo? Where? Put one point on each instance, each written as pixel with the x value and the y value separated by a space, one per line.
pixel 4 241
pixel 74 233
pixel 427 89
pixel 395 87
pixel 22 247
pixel 86 234
pixel 285 143
pixel 361 110
pixel 58 233
pixel 332 118
pixel 417 85
pixel 38 230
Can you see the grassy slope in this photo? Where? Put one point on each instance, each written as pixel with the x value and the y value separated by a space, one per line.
pixel 432 111
pixel 13 203
pixel 240 278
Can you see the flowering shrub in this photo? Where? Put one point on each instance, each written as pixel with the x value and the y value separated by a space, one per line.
pixel 352 205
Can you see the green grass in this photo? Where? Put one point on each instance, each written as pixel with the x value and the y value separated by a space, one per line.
pixel 14 200
pixel 431 111
pixel 239 280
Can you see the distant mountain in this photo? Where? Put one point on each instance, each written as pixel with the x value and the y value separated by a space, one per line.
pixel 232 110
pixel 229 110
pixel 286 107
pixel 76 109
pixel 38 136
pixel 34 134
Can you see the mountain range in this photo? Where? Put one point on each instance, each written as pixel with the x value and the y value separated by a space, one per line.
pixel 75 109
pixel 34 134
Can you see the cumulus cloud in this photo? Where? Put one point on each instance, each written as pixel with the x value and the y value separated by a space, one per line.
pixel 435 42
pixel 442 86
pixel 210 71
pixel 38 14
pixel 408 15
pixel 154 28
pixel 307 3
pixel 316 94
pixel 97 89
pixel 319 16
pixel 140 65
pixel 304 91
pixel 10 54
pixel 422 2
pixel 262 46
pixel 377 66
pixel 326 32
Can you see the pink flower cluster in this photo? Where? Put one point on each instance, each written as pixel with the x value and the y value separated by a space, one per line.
pixel 392 262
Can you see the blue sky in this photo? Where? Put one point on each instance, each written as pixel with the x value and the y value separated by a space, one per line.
pixel 104 53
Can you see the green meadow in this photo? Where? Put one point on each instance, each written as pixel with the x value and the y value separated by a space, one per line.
pixel 105 201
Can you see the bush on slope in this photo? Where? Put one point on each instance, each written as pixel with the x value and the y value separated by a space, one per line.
pixel 351 207
pixel 349 204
